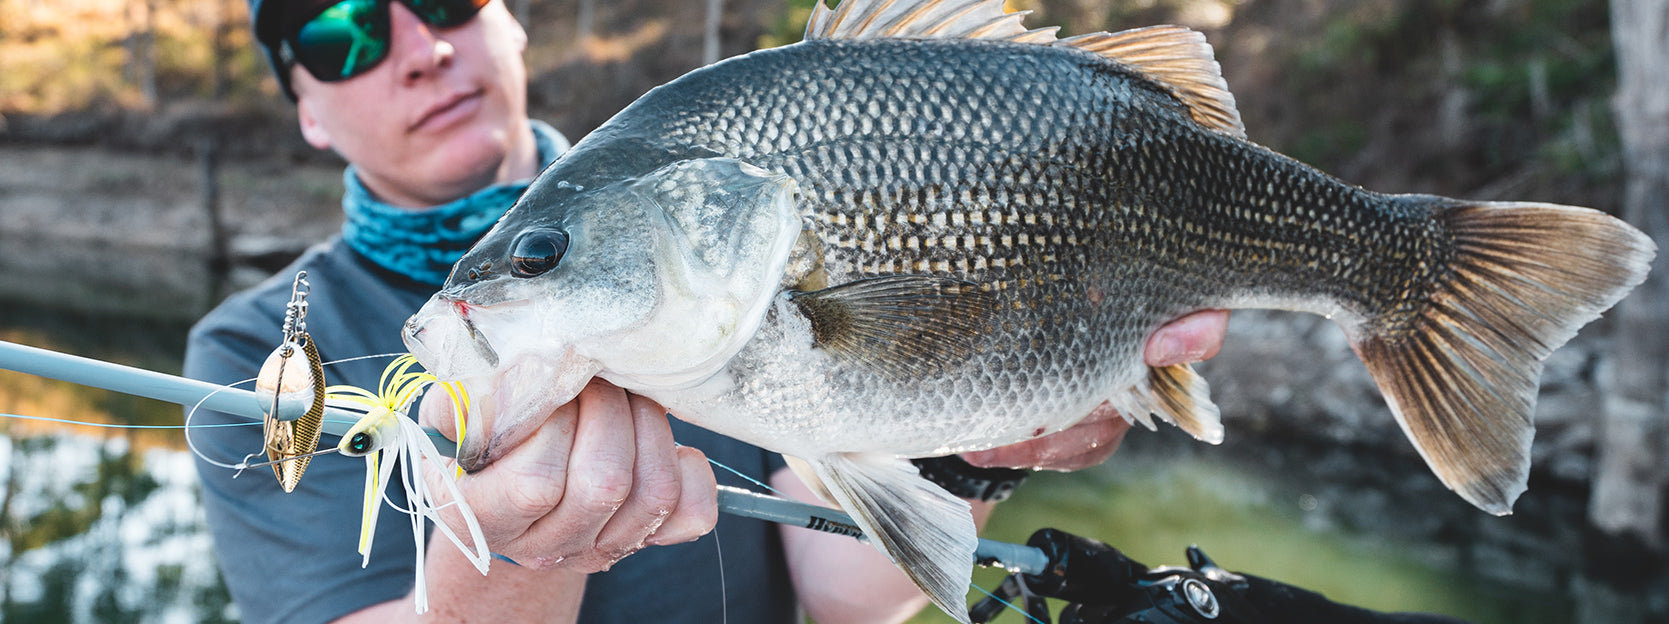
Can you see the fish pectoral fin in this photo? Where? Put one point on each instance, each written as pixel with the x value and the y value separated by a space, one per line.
pixel 927 532
pixel 1178 395
pixel 905 326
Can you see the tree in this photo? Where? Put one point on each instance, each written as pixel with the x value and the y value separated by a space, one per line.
pixel 1630 474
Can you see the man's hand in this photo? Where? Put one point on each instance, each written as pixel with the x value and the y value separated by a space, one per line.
pixel 600 479
pixel 1191 338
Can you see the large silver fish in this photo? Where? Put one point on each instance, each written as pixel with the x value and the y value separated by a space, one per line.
pixel 926 230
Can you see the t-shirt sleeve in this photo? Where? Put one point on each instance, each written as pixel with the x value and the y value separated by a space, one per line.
pixel 286 557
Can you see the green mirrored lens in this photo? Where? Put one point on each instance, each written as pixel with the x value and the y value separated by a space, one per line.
pixel 445 13
pixel 345 40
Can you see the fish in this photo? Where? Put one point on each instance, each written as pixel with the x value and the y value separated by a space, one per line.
pixel 926 229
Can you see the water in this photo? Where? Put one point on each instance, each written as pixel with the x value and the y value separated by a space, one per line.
pixel 105 525
pixel 101 525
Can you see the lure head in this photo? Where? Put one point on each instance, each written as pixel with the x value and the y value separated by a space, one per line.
pixel 652 282
pixel 377 430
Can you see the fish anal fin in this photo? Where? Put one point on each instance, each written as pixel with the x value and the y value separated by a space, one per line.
pixel 904 327
pixel 927 532
pixel 1180 396
pixel 1175 57
pixel 1461 374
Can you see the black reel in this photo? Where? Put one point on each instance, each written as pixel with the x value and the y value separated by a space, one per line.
pixel 1103 586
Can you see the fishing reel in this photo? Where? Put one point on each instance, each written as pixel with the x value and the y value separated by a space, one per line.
pixel 1103 586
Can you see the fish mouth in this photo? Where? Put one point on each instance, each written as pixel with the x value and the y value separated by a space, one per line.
pixel 508 406
pixel 447 342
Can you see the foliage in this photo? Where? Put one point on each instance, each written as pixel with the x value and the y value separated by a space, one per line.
pixel 69 55
pixel 1480 92
pixel 789 26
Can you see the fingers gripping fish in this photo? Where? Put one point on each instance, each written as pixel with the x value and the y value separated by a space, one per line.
pixel 926 230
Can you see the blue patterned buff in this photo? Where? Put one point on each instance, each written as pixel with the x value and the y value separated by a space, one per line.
pixel 423 244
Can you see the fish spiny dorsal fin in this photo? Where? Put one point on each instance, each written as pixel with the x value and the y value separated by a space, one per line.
pixel 1178 58
pixel 925 19
pixel 1173 56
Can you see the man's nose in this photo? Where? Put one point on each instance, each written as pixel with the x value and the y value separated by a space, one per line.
pixel 419 51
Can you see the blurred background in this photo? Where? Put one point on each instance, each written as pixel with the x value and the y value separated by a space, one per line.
pixel 148 167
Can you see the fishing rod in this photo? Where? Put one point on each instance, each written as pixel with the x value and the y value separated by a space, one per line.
pixel 243 403
pixel 1099 584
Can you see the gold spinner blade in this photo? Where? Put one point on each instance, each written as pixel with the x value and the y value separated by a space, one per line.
pixel 291 389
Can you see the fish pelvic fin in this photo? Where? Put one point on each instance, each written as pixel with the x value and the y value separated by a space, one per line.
pixel 1461 375
pixel 924 530
pixel 808 475
pixel 906 327
pixel 1175 57
pixel 1178 395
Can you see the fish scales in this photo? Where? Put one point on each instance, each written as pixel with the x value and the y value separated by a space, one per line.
pixel 1111 162
pixel 926 230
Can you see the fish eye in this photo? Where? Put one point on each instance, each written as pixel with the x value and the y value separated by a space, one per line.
pixel 537 252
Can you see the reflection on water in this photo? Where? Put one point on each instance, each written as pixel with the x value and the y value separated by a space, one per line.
pixel 101 525
pixel 99 533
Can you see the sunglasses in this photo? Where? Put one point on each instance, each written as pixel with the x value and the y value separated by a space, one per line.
pixel 350 37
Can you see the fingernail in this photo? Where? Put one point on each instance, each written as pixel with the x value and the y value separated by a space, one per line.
pixel 1169 351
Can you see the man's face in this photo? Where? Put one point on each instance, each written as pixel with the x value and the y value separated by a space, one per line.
pixel 442 116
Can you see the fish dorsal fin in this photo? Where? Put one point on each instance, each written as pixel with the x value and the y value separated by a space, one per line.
pixel 1178 58
pixel 1173 56
pixel 929 19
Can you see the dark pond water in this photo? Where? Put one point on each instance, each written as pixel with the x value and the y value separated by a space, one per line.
pixel 104 525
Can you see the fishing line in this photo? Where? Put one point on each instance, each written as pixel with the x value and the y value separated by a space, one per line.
pixel 362 357
pixel 244 463
pixel 724 589
pixel 742 475
pixel 1006 603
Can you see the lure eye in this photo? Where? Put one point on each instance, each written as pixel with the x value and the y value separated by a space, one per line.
pixel 537 252
pixel 359 444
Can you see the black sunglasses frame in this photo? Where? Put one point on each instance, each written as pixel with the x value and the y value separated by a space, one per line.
pixel 436 13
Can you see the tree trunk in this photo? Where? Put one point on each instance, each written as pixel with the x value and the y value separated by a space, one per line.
pixel 710 32
pixel 143 53
pixel 582 24
pixel 1629 474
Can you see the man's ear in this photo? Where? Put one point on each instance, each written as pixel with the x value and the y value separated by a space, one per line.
pixel 311 130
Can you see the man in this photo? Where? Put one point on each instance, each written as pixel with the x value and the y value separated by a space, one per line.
pixel 426 99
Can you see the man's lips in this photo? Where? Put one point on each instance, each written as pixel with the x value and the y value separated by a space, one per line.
pixel 450 108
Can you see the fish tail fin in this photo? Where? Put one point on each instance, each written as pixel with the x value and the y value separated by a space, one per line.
pixel 1461 373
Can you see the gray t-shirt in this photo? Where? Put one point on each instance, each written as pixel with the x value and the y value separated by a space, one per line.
pixel 293 558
